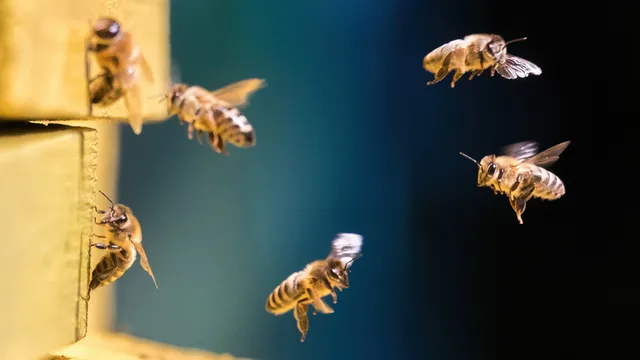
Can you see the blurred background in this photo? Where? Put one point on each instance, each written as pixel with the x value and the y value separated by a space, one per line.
pixel 349 139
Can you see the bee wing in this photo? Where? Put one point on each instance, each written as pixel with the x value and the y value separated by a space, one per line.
pixel 146 69
pixel 144 261
pixel 133 102
pixel 513 67
pixel 346 247
pixel 238 93
pixel 521 151
pixel 549 156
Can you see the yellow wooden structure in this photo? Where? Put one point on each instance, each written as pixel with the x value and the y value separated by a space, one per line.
pixel 53 158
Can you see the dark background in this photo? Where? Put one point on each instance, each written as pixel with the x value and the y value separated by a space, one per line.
pixel 349 139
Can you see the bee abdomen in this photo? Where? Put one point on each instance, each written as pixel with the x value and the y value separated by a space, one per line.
pixel 550 187
pixel 284 297
pixel 110 268
pixel 234 127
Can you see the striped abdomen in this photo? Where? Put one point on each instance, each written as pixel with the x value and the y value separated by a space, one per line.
pixel 111 267
pixel 286 295
pixel 548 186
pixel 234 127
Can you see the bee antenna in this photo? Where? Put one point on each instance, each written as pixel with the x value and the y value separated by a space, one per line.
pixel 162 96
pixel 103 194
pixel 348 264
pixel 470 158
pixel 515 40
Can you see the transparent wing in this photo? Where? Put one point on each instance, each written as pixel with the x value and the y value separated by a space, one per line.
pixel 144 261
pixel 175 73
pixel 549 156
pixel 238 93
pixel 346 247
pixel 513 67
pixel 146 69
pixel 521 151
pixel 133 102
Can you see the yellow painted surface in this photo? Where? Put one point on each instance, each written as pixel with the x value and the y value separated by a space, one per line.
pixel 102 302
pixel 42 56
pixel 118 346
pixel 47 187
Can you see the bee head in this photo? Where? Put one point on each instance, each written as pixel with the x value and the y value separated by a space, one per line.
pixel 487 169
pixel 338 274
pixel 497 47
pixel 174 98
pixel 106 29
pixel 118 217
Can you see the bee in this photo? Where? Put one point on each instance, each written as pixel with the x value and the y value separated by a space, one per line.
pixel 215 113
pixel 476 53
pixel 519 172
pixel 123 65
pixel 316 280
pixel 124 241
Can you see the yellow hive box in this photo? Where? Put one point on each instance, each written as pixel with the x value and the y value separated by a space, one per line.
pixel 47 188
pixel 42 56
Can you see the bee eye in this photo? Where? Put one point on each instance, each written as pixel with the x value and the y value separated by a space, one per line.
pixel 492 169
pixel 121 220
pixel 175 96
pixel 111 30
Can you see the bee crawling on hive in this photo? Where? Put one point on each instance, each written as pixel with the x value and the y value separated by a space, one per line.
pixel 215 113
pixel 123 67
pixel 317 280
pixel 476 53
pixel 520 173
pixel 124 241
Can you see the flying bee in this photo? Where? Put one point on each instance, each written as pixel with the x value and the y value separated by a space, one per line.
pixel 123 65
pixel 124 241
pixel 476 53
pixel 519 172
pixel 318 279
pixel 215 113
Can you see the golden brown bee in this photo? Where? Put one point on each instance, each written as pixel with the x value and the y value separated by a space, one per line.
pixel 124 240
pixel 520 173
pixel 122 64
pixel 476 53
pixel 215 113
pixel 316 280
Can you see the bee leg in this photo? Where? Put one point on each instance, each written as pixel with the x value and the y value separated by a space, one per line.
pixel 95 208
pixel 99 246
pixel 519 204
pixel 199 136
pixel 217 143
pixel 190 130
pixel 318 304
pixel 475 73
pixel 442 72
pixel 300 314
pixel 325 282
pixel 458 74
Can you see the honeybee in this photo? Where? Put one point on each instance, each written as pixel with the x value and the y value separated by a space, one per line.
pixel 124 240
pixel 476 53
pixel 519 172
pixel 318 279
pixel 123 66
pixel 215 113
